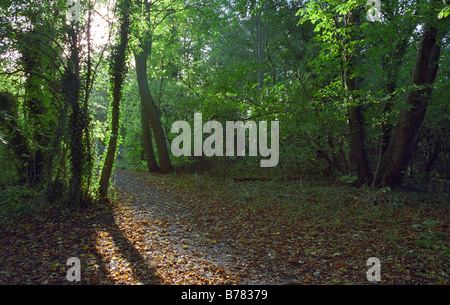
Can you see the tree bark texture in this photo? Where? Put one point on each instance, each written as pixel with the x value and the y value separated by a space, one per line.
pixel 411 117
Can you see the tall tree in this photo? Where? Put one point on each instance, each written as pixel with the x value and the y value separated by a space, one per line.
pixel 392 62
pixel 358 155
pixel 154 13
pixel 406 130
pixel 149 106
pixel 118 70
pixel 71 88
pixel 338 24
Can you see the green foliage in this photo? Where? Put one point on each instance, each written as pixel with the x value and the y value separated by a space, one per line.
pixel 10 174
pixel 131 131
pixel 350 179
pixel 18 201
pixel 229 60
pixel 444 13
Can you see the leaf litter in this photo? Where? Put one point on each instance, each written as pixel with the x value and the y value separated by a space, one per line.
pixel 171 230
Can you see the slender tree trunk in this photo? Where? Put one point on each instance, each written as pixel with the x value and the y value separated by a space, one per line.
pixel 150 108
pixel 118 70
pixel 358 155
pixel 152 165
pixel 392 65
pixel 437 148
pixel 259 46
pixel 35 108
pixel 406 131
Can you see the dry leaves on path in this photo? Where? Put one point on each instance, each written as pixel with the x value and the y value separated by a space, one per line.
pixel 269 244
pixel 159 230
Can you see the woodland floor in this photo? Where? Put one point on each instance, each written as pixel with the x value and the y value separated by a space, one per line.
pixel 187 229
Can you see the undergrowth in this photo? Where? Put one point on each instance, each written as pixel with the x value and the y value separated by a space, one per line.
pixel 332 205
pixel 17 201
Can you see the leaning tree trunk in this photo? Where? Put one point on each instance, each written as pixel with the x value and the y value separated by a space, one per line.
pixel 152 165
pixel 150 108
pixel 406 131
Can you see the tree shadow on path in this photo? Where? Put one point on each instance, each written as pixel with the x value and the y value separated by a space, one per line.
pixel 34 250
pixel 142 271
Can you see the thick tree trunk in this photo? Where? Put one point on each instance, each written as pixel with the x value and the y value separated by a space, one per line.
pixel 393 69
pixel 406 131
pixel 150 107
pixel 358 155
pixel 72 89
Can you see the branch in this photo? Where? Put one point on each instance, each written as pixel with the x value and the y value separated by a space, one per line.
pixel 32 73
pixel 190 87
pixel 306 92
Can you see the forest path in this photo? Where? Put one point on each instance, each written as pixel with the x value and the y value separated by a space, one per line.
pixel 181 242
pixel 188 229
pixel 197 231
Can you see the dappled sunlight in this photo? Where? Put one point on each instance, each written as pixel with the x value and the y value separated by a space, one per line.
pixel 117 266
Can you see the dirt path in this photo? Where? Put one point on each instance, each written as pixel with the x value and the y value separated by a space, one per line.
pixel 234 242
pixel 143 236
pixel 173 228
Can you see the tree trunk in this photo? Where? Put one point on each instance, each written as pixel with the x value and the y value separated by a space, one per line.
pixel 393 69
pixel 72 89
pixel 434 154
pixel 150 107
pixel 35 109
pixel 392 64
pixel 358 156
pixel 118 70
pixel 406 131
pixel 259 51
pixel 152 165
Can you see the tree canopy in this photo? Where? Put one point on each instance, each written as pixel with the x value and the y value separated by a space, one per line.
pixel 357 87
